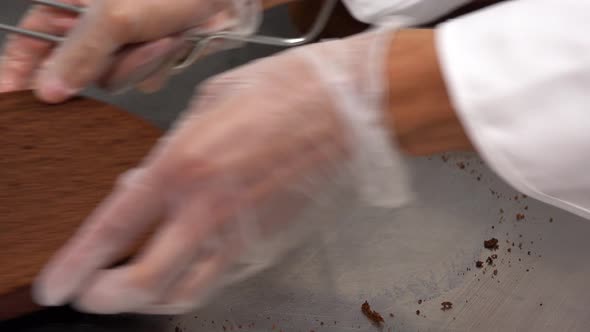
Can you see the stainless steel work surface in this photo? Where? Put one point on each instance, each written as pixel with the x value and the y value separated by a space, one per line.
pixel 395 259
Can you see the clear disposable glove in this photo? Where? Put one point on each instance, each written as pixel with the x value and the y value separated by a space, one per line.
pixel 112 41
pixel 243 178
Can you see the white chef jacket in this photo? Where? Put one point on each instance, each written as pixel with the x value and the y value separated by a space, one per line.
pixel 518 74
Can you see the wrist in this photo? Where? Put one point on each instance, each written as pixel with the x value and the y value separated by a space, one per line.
pixel 419 112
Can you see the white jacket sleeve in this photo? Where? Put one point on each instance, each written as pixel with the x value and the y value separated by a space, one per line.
pixel 519 76
pixel 408 12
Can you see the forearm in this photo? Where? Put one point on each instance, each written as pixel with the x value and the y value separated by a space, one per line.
pixel 420 112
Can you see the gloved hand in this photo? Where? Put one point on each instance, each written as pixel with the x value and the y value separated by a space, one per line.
pixel 244 176
pixel 154 28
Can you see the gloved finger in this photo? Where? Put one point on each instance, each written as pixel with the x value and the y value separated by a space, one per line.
pixel 195 288
pixel 136 63
pixel 217 22
pixel 23 55
pixel 104 28
pixel 198 284
pixel 149 66
pixel 156 81
pixel 105 237
pixel 164 260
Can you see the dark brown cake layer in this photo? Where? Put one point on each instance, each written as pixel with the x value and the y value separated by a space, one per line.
pixel 57 162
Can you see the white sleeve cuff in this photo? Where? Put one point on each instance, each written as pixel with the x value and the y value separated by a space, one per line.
pixel 404 12
pixel 519 77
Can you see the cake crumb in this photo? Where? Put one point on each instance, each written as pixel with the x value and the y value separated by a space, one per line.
pixel 491 244
pixel 372 315
pixel 446 306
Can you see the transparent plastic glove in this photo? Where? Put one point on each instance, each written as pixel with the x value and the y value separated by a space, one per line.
pixel 243 178
pixel 149 31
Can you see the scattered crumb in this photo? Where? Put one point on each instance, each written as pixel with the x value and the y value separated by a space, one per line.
pixel 526 207
pixel 494 256
pixel 446 306
pixel 491 244
pixel 495 272
pixel 461 165
pixel 509 249
pixel 489 260
pixel 550 219
pixel 479 264
pixel 418 312
pixel 372 315
pixel 528 253
pixel 419 301
pixel 391 315
pixel 519 216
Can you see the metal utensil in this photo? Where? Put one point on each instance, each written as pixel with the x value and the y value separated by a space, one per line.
pixel 200 41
